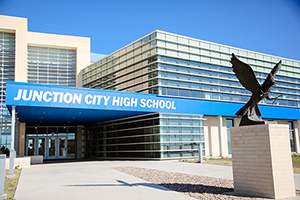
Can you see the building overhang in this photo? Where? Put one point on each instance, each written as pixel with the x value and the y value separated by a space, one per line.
pixel 61 105
pixel 50 104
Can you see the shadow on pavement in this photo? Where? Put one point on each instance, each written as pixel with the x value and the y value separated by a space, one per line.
pixel 122 183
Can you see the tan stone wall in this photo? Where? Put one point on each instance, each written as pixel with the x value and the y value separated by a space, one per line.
pixel 19 27
pixel 225 140
pixel 211 129
pixel 261 157
pixel 207 142
pixel 212 137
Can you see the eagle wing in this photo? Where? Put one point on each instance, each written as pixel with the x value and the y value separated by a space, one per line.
pixel 245 75
pixel 269 82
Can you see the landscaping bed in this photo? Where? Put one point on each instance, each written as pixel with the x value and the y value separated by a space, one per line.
pixel 10 184
pixel 199 187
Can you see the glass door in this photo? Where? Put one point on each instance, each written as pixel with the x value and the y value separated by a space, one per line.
pixel 51 147
pixel 30 148
pixel 41 147
pixel 62 143
pixel 50 142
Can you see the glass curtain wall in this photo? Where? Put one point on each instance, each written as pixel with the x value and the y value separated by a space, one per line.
pixel 180 135
pixel 51 66
pixel 203 70
pixel 187 67
pixel 7 72
pixel 154 136
pixel 136 137
pixel 229 123
pixel 126 69
pixel 292 136
pixel 185 78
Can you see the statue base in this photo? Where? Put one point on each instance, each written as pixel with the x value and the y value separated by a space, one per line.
pixel 261 161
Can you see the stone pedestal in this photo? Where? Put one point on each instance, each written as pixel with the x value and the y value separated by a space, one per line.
pixel 261 159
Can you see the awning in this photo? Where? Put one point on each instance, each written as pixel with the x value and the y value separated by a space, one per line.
pixel 50 104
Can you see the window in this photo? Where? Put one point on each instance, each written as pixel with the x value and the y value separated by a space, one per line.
pixel 229 123
pixel 52 66
pixel 292 136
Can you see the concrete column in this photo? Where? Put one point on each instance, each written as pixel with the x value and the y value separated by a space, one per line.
pixel 22 139
pixel 2 176
pixel 12 153
pixel 297 132
pixel 17 135
pixel 220 129
pixel 79 142
pixel 200 150
pixel 207 139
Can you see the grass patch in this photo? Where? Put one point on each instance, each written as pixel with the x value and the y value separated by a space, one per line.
pixel 296 158
pixel 10 184
pixel 296 170
pixel 221 161
pixel 212 161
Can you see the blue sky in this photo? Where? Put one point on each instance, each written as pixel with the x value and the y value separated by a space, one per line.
pixel 267 26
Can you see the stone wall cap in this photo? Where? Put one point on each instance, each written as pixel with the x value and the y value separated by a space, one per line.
pixel 261 126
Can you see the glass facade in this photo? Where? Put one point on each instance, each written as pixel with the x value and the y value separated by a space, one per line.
pixel 148 136
pixel 229 123
pixel 184 78
pixel 173 65
pixel 292 136
pixel 128 69
pixel 7 70
pixel 51 66
pixel 180 135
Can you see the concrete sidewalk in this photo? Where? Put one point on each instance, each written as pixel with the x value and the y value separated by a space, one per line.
pixel 97 180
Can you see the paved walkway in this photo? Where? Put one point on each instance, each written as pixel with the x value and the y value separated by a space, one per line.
pixel 97 180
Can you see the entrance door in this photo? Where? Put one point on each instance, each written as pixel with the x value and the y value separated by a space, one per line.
pixel 41 147
pixel 50 142
pixel 30 147
pixel 51 147
pixel 62 144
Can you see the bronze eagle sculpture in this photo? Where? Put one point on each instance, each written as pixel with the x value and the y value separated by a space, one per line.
pixel 246 76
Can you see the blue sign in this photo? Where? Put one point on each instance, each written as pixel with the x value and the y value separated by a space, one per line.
pixel 35 100
pixel 24 94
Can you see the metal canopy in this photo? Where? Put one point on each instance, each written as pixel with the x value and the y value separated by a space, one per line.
pixel 61 105
pixel 68 116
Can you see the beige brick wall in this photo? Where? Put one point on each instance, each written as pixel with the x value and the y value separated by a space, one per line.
pixel 261 157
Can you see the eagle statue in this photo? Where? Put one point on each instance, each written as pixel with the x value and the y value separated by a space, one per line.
pixel 246 76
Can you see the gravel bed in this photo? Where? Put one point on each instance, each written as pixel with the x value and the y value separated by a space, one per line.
pixel 199 187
